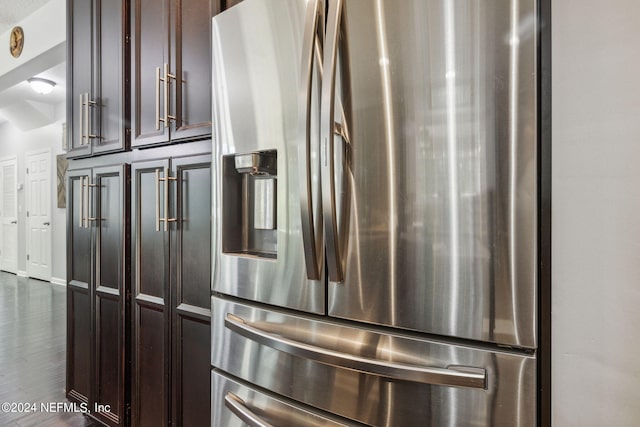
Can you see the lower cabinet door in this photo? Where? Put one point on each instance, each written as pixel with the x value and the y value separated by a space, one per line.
pixel 109 296
pixel 190 290
pixel 150 300
pixel 97 316
pixel 79 270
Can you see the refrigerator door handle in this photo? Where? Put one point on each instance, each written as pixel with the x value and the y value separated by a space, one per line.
pixel 327 115
pixel 309 236
pixel 451 376
pixel 239 408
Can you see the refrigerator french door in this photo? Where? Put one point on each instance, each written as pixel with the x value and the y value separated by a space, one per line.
pixel 376 190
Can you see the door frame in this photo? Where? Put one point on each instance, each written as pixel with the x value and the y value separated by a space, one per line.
pixel 27 155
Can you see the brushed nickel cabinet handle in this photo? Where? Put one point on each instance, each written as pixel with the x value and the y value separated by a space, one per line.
pixel 157 98
pixel 90 104
pixel 167 80
pixel 81 205
pixel 158 219
pixel 81 121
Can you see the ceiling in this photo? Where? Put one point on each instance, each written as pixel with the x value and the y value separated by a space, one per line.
pixel 13 11
pixel 20 100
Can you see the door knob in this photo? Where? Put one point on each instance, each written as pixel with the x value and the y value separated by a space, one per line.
pixel 14 222
pixel 45 223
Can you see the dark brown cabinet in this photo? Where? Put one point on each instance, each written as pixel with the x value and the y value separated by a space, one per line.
pixel 98 57
pixel 171 70
pixel 171 299
pixel 97 291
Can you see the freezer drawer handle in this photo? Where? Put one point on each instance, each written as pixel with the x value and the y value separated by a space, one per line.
pixel 453 376
pixel 238 407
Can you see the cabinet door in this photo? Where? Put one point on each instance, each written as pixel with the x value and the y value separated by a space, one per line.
pixel 79 271
pixel 80 74
pixel 149 52
pixel 111 57
pixel 191 64
pixel 150 304
pixel 111 288
pixel 190 287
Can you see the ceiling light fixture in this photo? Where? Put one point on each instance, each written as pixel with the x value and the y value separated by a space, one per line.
pixel 41 86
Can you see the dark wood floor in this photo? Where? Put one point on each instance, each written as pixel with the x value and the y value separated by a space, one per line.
pixel 32 352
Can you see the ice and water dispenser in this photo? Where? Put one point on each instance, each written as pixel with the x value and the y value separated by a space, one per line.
pixel 250 204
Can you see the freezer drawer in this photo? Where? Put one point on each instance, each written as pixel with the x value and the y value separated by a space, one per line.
pixel 236 405
pixel 371 375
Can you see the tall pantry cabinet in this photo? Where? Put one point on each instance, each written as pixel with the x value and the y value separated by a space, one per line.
pixel 98 209
pixel 139 209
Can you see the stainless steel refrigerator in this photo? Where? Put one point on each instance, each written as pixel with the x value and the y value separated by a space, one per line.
pixel 375 225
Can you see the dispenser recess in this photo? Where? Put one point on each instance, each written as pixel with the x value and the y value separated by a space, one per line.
pixel 249 195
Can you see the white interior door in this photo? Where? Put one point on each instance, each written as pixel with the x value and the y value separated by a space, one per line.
pixel 39 214
pixel 9 214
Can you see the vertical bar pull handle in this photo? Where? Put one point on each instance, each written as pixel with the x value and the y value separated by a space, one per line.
pixel 166 180
pixel 90 104
pixel 312 254
pixel 166 199
pixel 167 80
pixel 158 219
pixel 81 205
pixel 91 205
pixel 81 122
pixel 328 167
pixel 157 98
pixel 86 119
pixel 85 215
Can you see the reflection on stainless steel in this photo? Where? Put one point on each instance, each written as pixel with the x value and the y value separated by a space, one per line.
pixel 390 144
pixel 452 163
pixel 510 378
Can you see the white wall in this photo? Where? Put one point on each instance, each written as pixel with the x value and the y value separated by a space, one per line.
pixel 16 142
pixel 596 213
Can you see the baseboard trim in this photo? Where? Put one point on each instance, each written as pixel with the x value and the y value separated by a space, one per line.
pixel 22 273
pixel 58 281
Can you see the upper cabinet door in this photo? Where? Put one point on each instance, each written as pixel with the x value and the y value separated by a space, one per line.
pixel 150 63
pixel 191 64
pixel 98 54
pixel 171 54
pixel 80 74
pixel 111 65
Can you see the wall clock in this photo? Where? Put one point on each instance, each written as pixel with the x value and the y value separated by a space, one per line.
pixel 16 41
